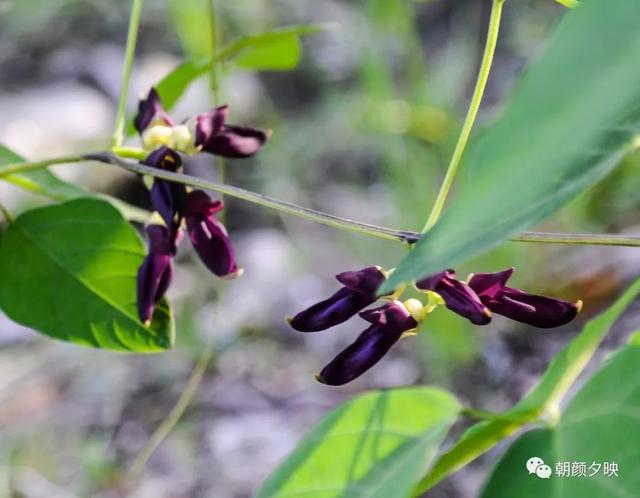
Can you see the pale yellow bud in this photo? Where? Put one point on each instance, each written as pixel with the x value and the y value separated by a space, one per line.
pixel 415 309
pixel 183 139
pixel 157 136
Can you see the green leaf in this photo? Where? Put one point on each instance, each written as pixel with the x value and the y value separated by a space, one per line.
pixel 69 271
pixel 280 55
pixel 375 445
pixel 174 84
pixel 599 425
pixel 572 4
pixel 45 183
pixel 246 52
pixel 570 121
pixel 562 372
pixel 41 181
pixel 192 26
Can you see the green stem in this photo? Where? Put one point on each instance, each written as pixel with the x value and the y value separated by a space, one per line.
pixel 22 167
pixel 295 210
pixel 578 239
pixel 472 113
pixel 132 38
pixel 167 425
pixel 261 200
pixel 129 152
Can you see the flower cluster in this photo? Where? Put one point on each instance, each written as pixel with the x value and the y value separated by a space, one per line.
pixel 178 207
pixel 476 299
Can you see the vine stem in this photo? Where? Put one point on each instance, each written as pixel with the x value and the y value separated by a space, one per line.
pixel 290 208
pixel 472 113
pixel 167 425
pixel 132 39
pixel 260 199
pixel 214 83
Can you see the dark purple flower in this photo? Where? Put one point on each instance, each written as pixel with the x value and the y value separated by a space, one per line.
pixel 457 296
pixel 150 111
pixel 168 198
pixel 208 236
pixel 216 137
pixel 208 132
pixel 359 291
pixel 388 323
pixel 155 273
pixel 539 311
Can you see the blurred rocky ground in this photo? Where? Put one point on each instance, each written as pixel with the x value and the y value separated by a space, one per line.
pixel 362 129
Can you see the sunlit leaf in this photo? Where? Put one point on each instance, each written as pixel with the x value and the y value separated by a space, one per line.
pixel 572 4
pixel 41 181
pixel 279 55
pixel 44 182
pixel 545 396
pixel 69 271
pixel 375 445
pixel 570 121
pixel 246 51
pixel 192 21
pixel 599 425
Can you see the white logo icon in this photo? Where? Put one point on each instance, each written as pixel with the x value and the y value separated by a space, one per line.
pixel 536 465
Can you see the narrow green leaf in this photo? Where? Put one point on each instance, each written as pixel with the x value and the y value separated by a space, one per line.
pixel 278 55
pixel 69 271
pixel 192 26
pixel 246 51
pixel 42 181
pixel 375 445
pixel 570 121
pixel 599 425
pixel 545 396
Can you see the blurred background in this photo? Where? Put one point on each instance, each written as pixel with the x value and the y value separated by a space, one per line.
pixel 363 127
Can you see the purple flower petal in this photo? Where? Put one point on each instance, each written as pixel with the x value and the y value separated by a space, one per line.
pixel 150 110
pixel 209 124
pixel 392 315
pixel 538 311
pixel 168 198
pixel 457 296
pixel 366 281
pixel 235 142
pixel 389 323
pixel 164 158
pixel 208 236
pixel 155 273
pixel 337 309
pixel 359 291
pixel 489 285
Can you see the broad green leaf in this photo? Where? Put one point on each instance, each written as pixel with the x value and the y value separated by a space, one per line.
pixel 571 119
pixel 69 271
pixel 599 425
pixel 41 181
pixel 284 42
pixel 373 446
pixel 544 397
pixel 45 183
